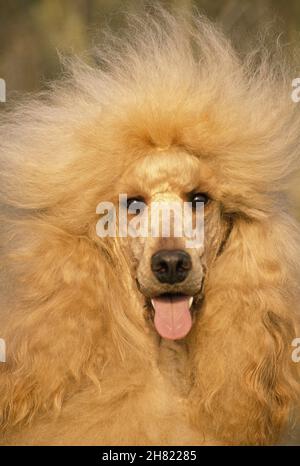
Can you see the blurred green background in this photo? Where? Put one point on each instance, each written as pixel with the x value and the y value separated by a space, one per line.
pixel 32 32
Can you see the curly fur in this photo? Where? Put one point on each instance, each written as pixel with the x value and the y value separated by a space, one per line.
pixel 77 343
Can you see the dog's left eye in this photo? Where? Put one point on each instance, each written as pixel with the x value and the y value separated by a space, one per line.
pixel 198 197
pixel 136 203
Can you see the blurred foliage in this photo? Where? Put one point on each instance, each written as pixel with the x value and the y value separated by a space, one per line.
pixel 32 32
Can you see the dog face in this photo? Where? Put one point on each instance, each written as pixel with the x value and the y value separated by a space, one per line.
pixel 170 273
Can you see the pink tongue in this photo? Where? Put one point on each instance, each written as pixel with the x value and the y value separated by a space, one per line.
pixel 172 317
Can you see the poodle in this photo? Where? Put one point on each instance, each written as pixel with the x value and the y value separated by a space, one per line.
pixel 123 340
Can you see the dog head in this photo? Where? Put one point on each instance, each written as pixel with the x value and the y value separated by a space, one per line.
pixel 170 270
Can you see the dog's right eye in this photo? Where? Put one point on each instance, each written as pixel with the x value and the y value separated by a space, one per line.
pixel 136 203
pixel 199 197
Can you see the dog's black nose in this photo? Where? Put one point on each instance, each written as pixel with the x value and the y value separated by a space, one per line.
pixel 171 266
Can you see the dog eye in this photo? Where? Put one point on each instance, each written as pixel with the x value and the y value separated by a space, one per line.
pixel 198 197
pixel 136 203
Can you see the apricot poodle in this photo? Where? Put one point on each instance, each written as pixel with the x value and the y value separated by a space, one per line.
pixel 126 341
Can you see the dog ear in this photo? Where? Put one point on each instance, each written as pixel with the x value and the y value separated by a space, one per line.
pixel 69 317
pixel 245 382
pixel 53 325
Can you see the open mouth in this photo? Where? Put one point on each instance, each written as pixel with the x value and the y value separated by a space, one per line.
pixel 172 315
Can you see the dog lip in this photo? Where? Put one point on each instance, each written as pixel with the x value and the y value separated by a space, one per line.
pixel 197 297
pixel 193 299
pixel 168 296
